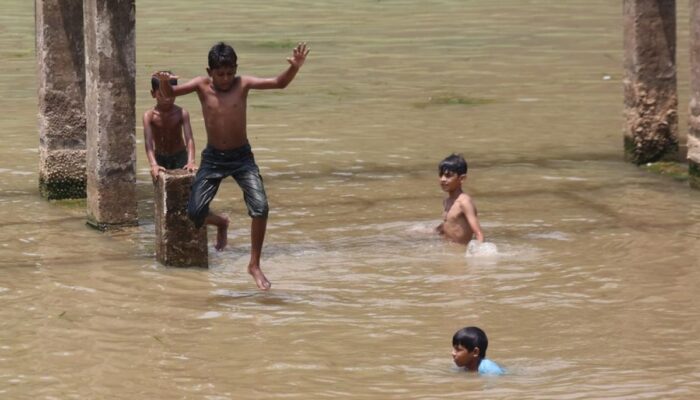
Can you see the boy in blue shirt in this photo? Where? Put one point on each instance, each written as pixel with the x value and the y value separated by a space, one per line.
pixel 469 352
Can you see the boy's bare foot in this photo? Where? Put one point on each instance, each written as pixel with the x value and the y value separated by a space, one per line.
pixel 222 233
pixel 260 279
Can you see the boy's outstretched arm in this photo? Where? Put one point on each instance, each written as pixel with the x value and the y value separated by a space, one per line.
pixel 150 146
pixel 189 141
pixel 282 80
pixel 169 90
pixel 473 220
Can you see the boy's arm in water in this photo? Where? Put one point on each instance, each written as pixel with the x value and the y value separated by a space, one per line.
pixel 150 145
pixel 169 90
pixel 470 213
pixel 285 78
pixel 440 229
pixel 189 141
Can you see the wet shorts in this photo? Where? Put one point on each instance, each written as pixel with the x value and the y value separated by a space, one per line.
pixel 215 166
pixel 172 161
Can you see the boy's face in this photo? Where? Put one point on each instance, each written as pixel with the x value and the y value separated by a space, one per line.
pixel 450 181
pixel 162 101
pixel 222 77
pixel 464 358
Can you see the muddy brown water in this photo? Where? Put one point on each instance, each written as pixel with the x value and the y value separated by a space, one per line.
pixel 593 292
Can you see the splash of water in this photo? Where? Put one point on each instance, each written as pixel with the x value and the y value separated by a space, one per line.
pixel 485 249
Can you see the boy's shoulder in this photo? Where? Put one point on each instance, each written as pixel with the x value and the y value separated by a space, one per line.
pixel 148 114
pixel 153 113
pixel 488 367
pixel 464 198
pixel 202 79
pixel 200 82
pixel 465 202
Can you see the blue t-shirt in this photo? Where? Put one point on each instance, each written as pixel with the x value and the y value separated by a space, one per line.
pixel 488 367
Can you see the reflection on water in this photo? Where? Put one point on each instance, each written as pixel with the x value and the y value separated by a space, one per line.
pixel 592 293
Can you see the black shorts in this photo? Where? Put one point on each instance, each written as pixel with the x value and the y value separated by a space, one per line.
pixel 172 161
pixel 215 166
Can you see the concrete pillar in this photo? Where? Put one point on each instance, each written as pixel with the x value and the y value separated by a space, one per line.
pixel 694 115
pixel 178 242
pixel 110 110
pixel 61 90
pixel 651 100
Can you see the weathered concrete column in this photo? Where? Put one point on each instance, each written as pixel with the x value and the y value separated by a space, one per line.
pixel 109 107
pixel 694 117
pixel 61 91
pixel 178 242
pixel 651 100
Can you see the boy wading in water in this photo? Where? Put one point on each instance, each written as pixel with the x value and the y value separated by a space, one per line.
pixel 223 96
pixel 168 134
pixel 469 352
pixel 460 222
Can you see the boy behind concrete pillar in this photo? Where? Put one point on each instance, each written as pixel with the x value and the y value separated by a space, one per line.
pixel 167 134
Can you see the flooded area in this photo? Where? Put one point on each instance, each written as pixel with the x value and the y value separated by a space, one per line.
pixel 592 292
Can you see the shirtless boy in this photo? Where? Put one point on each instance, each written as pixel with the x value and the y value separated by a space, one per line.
pixel 167 133
pixel 223 96
pixel 460 222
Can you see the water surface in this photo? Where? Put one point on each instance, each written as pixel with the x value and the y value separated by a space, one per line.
pixel 593 293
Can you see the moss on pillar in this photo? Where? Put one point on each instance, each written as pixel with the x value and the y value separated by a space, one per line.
pixel 694 174
pixel 103 226
pixel 62 189
pixel 675 170
pixel 641 151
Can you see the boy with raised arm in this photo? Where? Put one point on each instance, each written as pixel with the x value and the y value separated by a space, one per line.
pixel 223 96
pixel 460 222
pixel 167 133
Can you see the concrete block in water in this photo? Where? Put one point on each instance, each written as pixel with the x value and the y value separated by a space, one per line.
pixel 178 242
pixel 651 99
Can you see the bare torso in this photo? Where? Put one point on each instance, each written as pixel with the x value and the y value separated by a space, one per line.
pixel 455 226
pixel 224 114
pixel 166 126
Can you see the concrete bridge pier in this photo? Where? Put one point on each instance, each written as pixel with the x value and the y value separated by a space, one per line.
pixel 178 242
pixel 694 106
pixel 651 99
pixel 110 51
pixel 61 90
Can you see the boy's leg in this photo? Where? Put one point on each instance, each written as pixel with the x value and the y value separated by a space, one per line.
pixel 258 225
pixel 204 189
pixel 221 222
pixel 249 179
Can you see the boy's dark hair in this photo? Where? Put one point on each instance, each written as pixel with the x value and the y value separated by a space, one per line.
pixel 471 337
pixel 155 82
pixel 453 163
pixel 222 55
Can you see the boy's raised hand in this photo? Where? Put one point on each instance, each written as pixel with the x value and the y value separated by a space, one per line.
pixel 299 55
pixel 165 77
